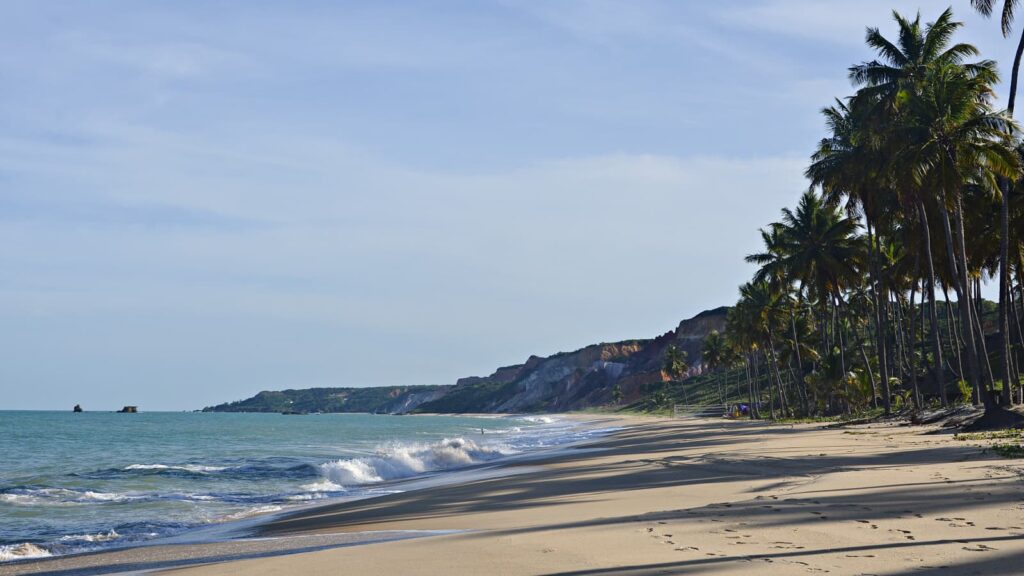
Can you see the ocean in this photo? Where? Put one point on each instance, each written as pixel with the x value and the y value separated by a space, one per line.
pixel 81 482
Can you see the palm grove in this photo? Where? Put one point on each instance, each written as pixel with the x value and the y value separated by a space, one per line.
pixel 867 292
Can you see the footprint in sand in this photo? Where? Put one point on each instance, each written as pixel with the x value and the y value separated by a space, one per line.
pixel 979 548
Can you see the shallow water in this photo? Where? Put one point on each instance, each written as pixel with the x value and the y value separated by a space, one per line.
pixel 75 482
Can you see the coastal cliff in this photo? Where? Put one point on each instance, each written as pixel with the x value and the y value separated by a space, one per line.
pixel 560 382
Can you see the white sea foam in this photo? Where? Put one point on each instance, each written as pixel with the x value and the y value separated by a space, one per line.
pixel 252 512
pixel 322 486
pixel 306 497
pixel 100 537
pixel 60 496
pixel 404 460
pixel 539 419
pixel 22 551
pixel 195 468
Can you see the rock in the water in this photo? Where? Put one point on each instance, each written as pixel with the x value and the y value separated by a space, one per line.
pixel 78 408
pixel 129 410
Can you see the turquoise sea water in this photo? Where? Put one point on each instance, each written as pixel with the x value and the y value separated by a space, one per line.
pixel 75 482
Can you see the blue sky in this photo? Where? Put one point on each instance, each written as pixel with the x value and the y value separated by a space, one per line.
pixel 201 200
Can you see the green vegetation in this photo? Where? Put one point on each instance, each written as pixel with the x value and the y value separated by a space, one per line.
pixel 843 316
pixel 994 435
pixel 1009 450
pixel 382 399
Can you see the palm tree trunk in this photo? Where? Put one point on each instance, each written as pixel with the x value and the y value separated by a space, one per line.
pixel 958 269
pixel 968 312
pixel 1004 248
pixel 774 365
pixel 912 356
pixel 982 345
pixel 1020 341
pixel 802 385
pixel 750 387
pixel 937 370
pixel 951 332
pixel 878 318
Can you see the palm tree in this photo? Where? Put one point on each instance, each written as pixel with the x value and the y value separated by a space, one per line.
pixel 955 140
pixel 714 352
pixel 675 365
pixel 815 248
pixel 760 302
pixel 1006 24
pixel 908 90
pixel 848 165
pixel 852 167
pixel 742 333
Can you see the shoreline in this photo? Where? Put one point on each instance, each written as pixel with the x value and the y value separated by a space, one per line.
pixel 659 495
pixel 235 534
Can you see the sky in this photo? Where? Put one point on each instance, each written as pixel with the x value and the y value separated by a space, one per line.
pixel 200 200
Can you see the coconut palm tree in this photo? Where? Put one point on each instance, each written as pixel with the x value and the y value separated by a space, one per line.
pixel 956 139
pixel 742 333
pixel 1007 14
pixel 914 78
pixel 675 365
pixel 761 303
pixel 714 353
pixel 814 248
pixel 850 169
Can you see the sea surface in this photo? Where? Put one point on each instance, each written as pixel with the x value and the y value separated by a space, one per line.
pixel 79 482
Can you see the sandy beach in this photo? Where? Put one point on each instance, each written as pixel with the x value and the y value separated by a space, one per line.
pixel 658 497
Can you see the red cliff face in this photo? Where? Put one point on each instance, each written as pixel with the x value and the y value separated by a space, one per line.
pixel 563 381
pixel 582 378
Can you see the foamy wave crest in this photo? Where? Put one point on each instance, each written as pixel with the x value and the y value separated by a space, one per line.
pixel 52 496
pixel 101 537
pixel 253 512
pixel 539 419
pixel 22 552
pixel 195 468
pixel 322 486
pixel 402 461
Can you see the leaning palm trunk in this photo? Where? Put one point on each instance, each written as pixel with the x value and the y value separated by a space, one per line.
pixel 802 385
pixel 1010 378
pixel 933 316
pixel 751 412
pixel 1020 341
pixel 773 365
pixel 1006 365
pixel 979 327
pixel 958 268
pixel 951 332
pixel 966 313
pixel 912 356
pixel 879 320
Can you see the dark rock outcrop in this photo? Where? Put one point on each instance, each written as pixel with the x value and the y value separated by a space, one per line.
pixel 77 408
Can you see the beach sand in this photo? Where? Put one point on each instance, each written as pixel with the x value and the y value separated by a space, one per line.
pixel 661 497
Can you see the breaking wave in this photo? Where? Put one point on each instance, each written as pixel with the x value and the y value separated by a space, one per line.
pixel 57 496
pixel 405 460
pixel 22 551
pixel 539 419
pixel 194 468
pixel 100 537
